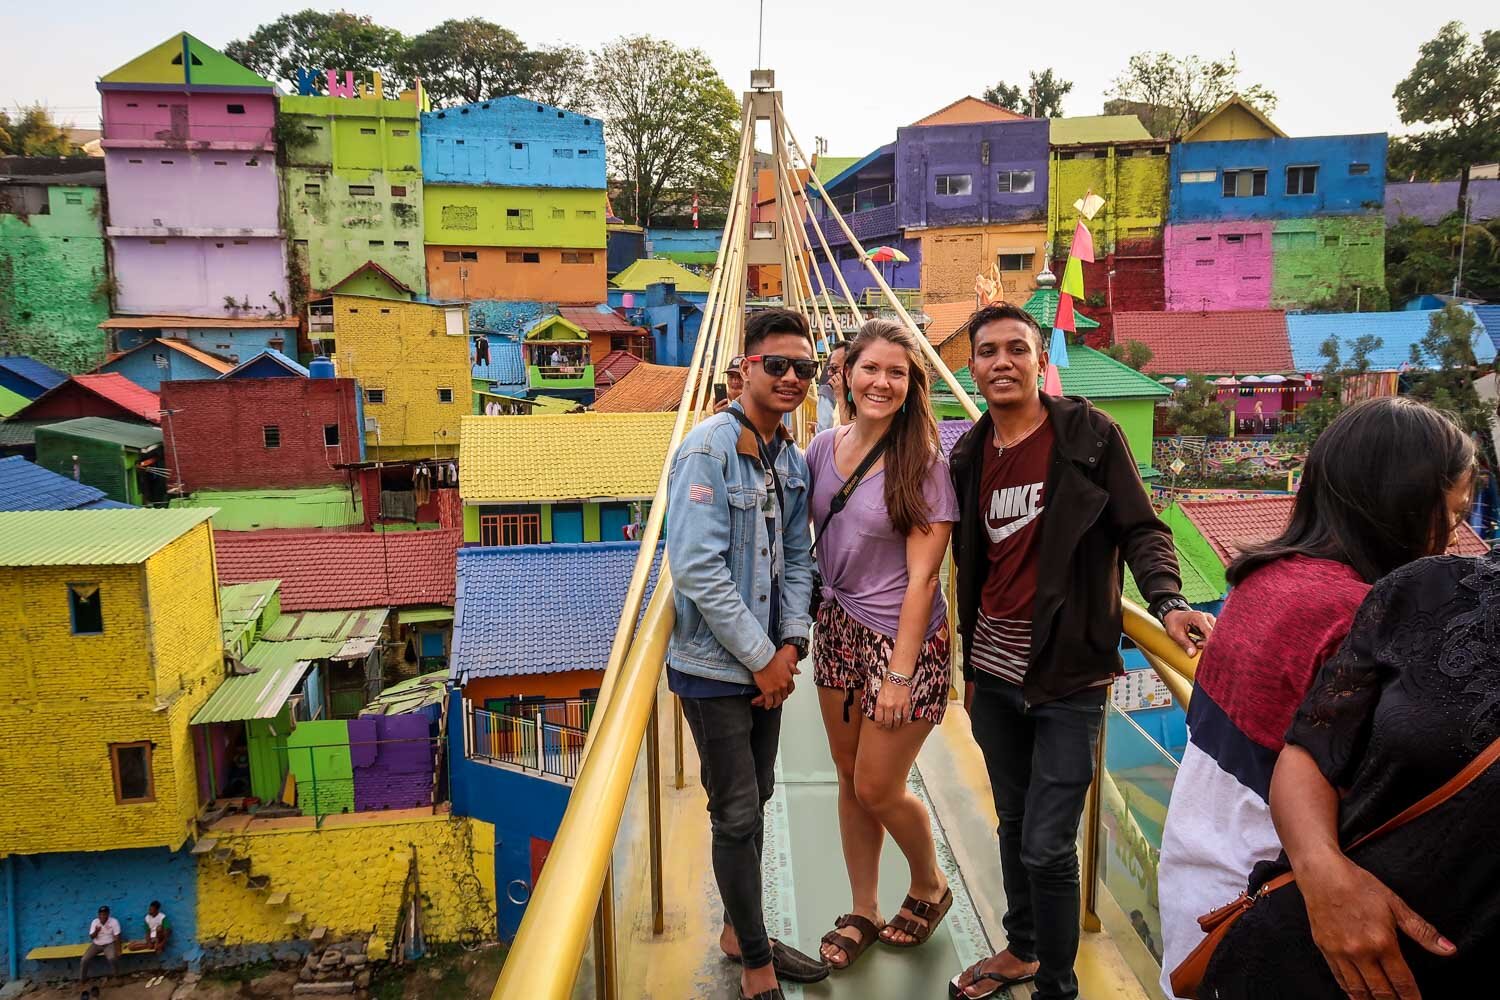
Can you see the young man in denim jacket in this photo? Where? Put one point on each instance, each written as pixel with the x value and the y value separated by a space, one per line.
pixel 741 555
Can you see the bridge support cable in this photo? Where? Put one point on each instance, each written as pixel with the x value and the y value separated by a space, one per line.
pixel 806 260
pixel 833 266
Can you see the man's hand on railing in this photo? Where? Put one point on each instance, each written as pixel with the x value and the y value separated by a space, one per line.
pixel 775 678
pixel 1189 629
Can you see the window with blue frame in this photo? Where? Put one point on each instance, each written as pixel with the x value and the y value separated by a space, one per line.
pixel 85 610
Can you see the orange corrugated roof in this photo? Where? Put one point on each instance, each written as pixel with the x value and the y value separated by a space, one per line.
pixel 596 321
pixel 646 388
pixel 202 357
pixel 123 393
pixel 946 318
pixel 614 366
pixel 969 110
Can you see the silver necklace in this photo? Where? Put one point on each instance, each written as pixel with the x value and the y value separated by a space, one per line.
pixel 1000 446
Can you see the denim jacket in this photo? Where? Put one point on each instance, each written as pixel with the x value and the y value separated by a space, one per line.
pixel 721 556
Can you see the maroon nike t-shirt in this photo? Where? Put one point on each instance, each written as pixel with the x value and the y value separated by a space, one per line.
pixel 1012 501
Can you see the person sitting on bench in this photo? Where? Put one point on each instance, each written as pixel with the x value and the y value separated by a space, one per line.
pixel 104 939
pixel 158 928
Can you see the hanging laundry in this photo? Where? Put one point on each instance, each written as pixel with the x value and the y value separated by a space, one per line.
pixel 481 350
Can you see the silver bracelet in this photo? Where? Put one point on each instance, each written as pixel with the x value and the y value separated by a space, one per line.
pixel 900 680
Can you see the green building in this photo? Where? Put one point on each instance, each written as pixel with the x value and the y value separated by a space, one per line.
pixel 353 187
pixel 53 288
pixel 124 460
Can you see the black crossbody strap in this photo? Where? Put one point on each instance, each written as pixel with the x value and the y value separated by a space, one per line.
pixel 765 457
pixel 841 498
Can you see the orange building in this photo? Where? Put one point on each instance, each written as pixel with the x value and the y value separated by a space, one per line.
pixel 954 255
pixel 547 274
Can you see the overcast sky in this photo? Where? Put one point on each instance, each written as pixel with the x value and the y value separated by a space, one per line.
pixel 852 72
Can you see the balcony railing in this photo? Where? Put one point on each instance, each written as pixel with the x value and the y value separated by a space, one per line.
pixel 531 744
pixel 874 298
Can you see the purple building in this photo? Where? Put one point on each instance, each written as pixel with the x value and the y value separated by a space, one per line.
pixel 190 167
pixel 865 195
pixel 972 174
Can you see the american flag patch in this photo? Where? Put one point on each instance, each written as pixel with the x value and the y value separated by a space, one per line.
pixel 701 493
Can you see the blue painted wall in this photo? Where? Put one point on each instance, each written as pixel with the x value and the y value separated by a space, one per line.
pixel 141 367
pixel 1338 191
pixel 625 247
pixel 236 345
pixel 925 152
pixel 58 894
pixel 513 142
pixel 502 316
pixel 673 320
pixel 520 807
pixel 665 241
pixel 908 275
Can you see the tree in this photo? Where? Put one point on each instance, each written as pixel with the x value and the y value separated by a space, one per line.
pixel 1455 90
pixel 318 41
pixel 561 76
pixel 1422 259
pixel 671 121
pixel 1445 368
pixel 468 60
pixel 32 132
pixel 1132 353
pixel 1042 99
pixel 1174 93
pixel 1196 409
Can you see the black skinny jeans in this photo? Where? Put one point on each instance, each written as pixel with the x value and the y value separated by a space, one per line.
pixel 1040 761
pixel 737 747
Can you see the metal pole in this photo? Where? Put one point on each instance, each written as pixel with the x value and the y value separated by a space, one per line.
pixel 653 801
pixel 677 781
pixel 1091 838
pixel 605 984
pixel 1463 236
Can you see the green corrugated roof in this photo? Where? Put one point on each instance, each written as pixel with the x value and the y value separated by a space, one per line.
pixel 241 603
pixel 272 655
pixel 830 167
pixel 1043 308
pixel 92 537
pixel 1196 589
pixel 684 257
pixel 333 625
pixel 260 695
pixel 183 59
pixel 11 402
pixel 117 432
pixel 1091 129
pixel 654 270
pixel 1089 374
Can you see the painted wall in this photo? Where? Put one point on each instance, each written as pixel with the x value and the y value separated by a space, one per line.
pixel 103 465
pixel 665 241
pixel 348 877
pixel 952 257
pixel 58 894
pixel 394 762
pixel 318 755
pixel 897 275
pixel 1132 280
pixel 673 324
pixel 520 807
pixel 567 684
pixel 1313 260
pixel 1218 265
pixel 626 246
pixel 161 645
pixel 505 316
pixel 217 432
pixel 1132 180
pixel 923 153
pixel 141 367
pixel 234 344
pixel 354 136
pixel 154 191
pixel 581 279
pixel 254 510
pixel 513 142
pixel 183 276
pixel 167 118
pixel 51 270
pixel 478 216
pixel 405 349
pixel 1339 191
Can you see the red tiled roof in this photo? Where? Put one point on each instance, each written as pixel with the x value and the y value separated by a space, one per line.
pixel 1230 526
pixel 123 393
pixel 946 318
pixel 611 368
pixel 1236 342
pixel 591 319
pixel 332 571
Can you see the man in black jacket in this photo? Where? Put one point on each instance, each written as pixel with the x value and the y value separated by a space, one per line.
pixel 1050 505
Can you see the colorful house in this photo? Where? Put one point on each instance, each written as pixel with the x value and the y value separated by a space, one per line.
pixel 106 395
pixel 269 363
pixel 27 486
pixel 190 156
pixel 673 319
pixel 698 247
pixel 514 202
pixel 582 477
pixel 353 186
pixel 156 362
pixel 123 460
pixel 1228 342
pixel 638 277
pixel 864 193
pixel 1430 202
pixel 1259 219
pixel 412 361
pixel 234 340
pixel 262 433
pixel 53 287
pixel 559 362
pixel 27 377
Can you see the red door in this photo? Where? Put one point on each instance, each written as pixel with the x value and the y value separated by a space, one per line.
pixel 539 849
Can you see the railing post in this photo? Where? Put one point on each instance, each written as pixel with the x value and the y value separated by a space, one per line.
pixel 677 781
pixel 1092 819
pixel 605 985
pixel 653 801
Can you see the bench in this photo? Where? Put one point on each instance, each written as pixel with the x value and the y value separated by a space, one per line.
pixel 62 951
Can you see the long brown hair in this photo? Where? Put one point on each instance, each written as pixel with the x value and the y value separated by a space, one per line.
pixel 913 433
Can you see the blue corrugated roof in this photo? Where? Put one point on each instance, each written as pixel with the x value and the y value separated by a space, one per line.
pixel 507 366
pixel 26 486
pixel 558 605
pixel 1490 317
pixel 1398 331
pixel 33 371
pixel 270 354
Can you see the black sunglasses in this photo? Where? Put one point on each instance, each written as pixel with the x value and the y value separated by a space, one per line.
pixel 777 364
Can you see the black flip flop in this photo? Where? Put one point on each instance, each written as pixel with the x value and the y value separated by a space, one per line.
pixel 956 992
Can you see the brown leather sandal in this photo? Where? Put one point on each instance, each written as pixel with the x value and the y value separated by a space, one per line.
pixel 851 948
pixel 930 912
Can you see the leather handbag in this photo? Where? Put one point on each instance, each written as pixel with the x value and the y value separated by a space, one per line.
pixel 1187 978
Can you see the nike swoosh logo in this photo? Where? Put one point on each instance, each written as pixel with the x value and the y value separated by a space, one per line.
pixel 1000 534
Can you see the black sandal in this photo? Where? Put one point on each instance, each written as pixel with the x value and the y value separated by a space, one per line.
pixel 851 948
pixel 792 965
pixel 772 994
pixel 931 913
pixel 956 992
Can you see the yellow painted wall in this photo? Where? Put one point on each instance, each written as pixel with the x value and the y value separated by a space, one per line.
pixel 1134 189
pixel 953 255
pixel 405 349
pixel 349 875
pixel 1234 122
pixel 472 216
pixel 66 698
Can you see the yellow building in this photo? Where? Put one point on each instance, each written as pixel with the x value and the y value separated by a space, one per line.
pixel 1114 157
pixel 952 256
pixel 112 641
pixel 412 361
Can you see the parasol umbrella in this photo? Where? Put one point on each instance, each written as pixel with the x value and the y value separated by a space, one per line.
pixel 882 255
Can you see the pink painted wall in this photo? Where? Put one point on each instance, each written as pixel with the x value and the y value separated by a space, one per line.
pixel 175 188
pixel 204 117
pixel 1218 265
pixel 190 277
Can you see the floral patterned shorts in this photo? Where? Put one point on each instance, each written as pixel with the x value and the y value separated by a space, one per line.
pixel 847 656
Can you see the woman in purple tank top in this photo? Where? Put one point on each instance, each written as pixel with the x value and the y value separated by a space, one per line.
pixel 881 651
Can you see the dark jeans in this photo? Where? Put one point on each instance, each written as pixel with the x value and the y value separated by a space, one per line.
pixel 737 747
pixel 1041 761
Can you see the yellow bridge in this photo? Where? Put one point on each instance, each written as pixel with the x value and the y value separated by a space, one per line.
pixel 626 905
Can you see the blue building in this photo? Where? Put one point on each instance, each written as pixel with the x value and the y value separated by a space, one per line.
pixel 672 319
pixel 156 361
pixel 269 363
pixel 234 340
pixel 1398 333
pixel 512 142
pixel 28 377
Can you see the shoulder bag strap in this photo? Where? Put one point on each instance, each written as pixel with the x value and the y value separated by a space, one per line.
pixel 1463 779
pixel 841 498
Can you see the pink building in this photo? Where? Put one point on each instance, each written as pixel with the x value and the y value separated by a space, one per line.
pixel 190 167
pixel 1218 265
